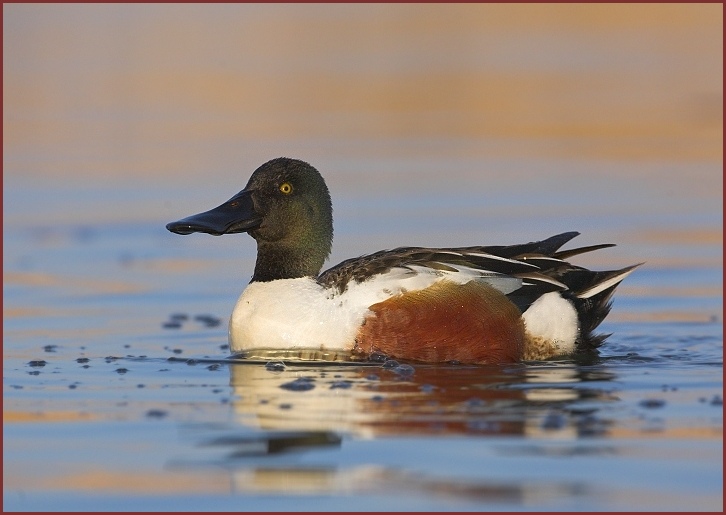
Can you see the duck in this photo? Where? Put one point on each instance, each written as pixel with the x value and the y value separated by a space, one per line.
pixel 495 304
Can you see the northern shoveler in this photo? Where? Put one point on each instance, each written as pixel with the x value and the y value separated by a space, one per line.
pixel 488 304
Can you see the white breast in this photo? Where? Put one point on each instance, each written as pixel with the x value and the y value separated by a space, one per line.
pixel 289 314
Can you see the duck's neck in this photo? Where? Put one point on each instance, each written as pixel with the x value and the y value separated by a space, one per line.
pixel 277 262
pixel 281 261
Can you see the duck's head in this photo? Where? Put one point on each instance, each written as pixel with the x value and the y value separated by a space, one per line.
pixel 286 208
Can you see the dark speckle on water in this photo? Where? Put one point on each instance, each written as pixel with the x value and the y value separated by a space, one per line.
pixel 341 384
pixel 50 348
pixel 156 413
pixel 213 366
pixel 171 325
pixel 34 372
pixel 82 360
pixel 208 320
pixel 652 403
pixel 37 363
pixel 475 402
pixel 553 421
pixel 177 351
pixel 121 370
pixel 301 384
pixel 483 426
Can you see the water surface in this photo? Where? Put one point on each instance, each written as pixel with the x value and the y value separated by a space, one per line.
pixel 433 125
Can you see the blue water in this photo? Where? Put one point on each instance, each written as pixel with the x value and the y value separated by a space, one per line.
pixel 124 408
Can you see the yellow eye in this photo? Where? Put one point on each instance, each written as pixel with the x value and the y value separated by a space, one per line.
pixel 286 188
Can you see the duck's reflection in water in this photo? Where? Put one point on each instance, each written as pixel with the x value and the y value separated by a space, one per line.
pixel 388 481
pixel 398 399
pixel 286 409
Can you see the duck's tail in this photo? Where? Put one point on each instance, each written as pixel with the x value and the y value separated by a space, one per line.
pixel 591 293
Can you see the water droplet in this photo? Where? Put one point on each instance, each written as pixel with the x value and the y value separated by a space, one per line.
pixel 377 357
pixel 275 366
pixel 404 370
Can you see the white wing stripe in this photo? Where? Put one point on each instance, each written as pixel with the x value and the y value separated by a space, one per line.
pixel 594 290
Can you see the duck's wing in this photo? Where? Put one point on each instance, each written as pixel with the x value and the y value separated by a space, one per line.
pixel 528 262
pixel 523 272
